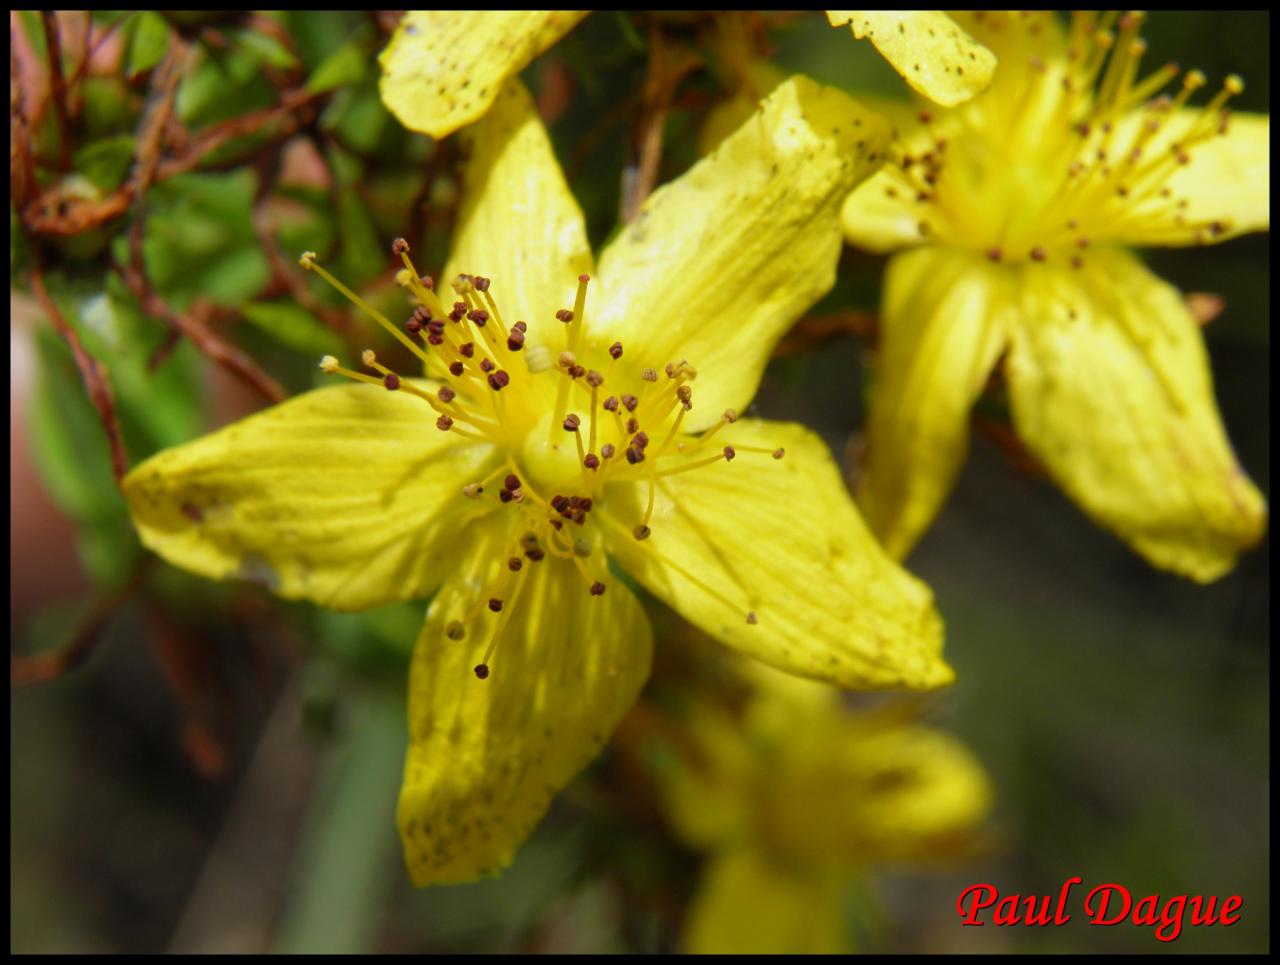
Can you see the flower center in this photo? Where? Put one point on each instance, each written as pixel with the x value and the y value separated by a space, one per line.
pixel 564 434
pixel 1063 151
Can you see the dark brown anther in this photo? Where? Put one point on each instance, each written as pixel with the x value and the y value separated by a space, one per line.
pixel 460 307
pixel 779 453
pixel 534 555
pixel 482 670
pixel 576 371
pixel 564 315
pixel 505 495
pixel 499 380
pixel 520 327
pixel 515 341
pixel 434 339
pixel 611 404
pixel 751 618
pixel 584 278
pixel 512 481
pixel 635 456
pixel 427 282
pixel 456 314
pixel 444 423
pixel 925 117
pixel 571 423
pixel 585 504
pixel 641 531
pixel 467 349
pixel 514 564
pixel 479 316
pixel 615 350
pixel 1077 262
pixel 481 283
pixel 607 451
pixel 671 370
pixel 592 461
pixel 495 604
pixel 594 379
pixel 399 247
pixel 391 381
pixel 446 394
pixel 455 630
pixel 994 254
pixel 434 325
pixel 633 424
pixel 556 524
pixel 1038 254
pixel 649 375
pixel 729 453
pixel 640 440
pixel 597 588
pixel 456 368
pixel 413 326
pixel 486 365
pixel 560 503
pixel 578 516
pixel 685 394
pixel 630 402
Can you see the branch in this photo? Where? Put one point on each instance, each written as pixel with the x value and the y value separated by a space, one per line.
pixel 57 86
pixel 93 375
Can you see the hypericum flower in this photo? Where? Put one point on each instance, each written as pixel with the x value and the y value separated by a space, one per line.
pixel 444 68
pixel 931 52
pixel 577 414
pixel 794 797
pixel 1017 205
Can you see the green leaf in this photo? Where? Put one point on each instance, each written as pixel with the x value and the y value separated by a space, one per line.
pixel 346 65
pixel 270 50
pixel 290 324
pixel 107 161
pixel 148 41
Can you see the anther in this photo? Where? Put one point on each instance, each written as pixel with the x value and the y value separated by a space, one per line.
pixel 368 358
pixel 495 604
pixel 307 260
pixel 566 360
pixel 499 380
pixel 635 456
pixel 1038 254
pixel 481 284
pixel 564 315
pixel 571 423
pixel 399 247
pixel 515 340
pixel 584 278
pixel 597 588
pixel 391 381
pixel 594 378
pixel 486 365
pixel 591 461
pixel 413 326
pixel 632 424
pixel 472 490
pixel 479 316
pixel 729 453
pixel 649 375
pixel 641 440
pixel 615 350
pixel 434 339
pixel 455 630
pixel 607 451
pixel 685 394
pixel 444 423
pixel 520 327
pixel 514 564
pixel 576 371
pixel 329 365
pixel 456 368
pixel 482 670
pixel 610 404
pixel 446 394
pixel 779 453
pixel 467 349
pixel 641 532
pixel 730 415
pixel 512 481
pixel 994 254
pixel 751 618
pixel 630 402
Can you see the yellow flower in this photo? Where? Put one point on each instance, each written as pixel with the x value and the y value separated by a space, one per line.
pixel 604 427
pixel 1017 206
pixel 444 68
pixel 931 52
pixel 799 796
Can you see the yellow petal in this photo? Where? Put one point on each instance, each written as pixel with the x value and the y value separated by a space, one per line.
pixel 486 756
pixel 927 48
pixel 519 224
pixel 443 68
pixel 941 332
pixel 718 264
pixel 781 539
pixel 747 904
pixel 1110 388
pixel 347 496
pixel 881 215
pixel 1227 181
pixel 759 79
pixel 856 789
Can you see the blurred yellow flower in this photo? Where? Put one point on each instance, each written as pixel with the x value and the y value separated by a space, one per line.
pixel 796 796
pixel 1017 206
pixel 931 52
pixel 561 448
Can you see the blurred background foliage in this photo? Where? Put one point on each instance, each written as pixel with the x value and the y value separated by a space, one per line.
pixel 198 766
